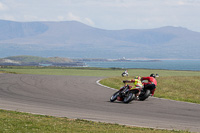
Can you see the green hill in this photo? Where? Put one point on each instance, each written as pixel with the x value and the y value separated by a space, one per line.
pixel 37 59
pixel 25 60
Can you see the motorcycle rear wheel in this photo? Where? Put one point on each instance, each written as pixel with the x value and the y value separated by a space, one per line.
pixel 129 97
pixel 144 96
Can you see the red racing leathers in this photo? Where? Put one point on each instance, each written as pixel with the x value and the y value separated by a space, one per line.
pixel 151 83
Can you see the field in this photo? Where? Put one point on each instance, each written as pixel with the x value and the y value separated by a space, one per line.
pixel 176 85
pixel 99 72
pixel 15 122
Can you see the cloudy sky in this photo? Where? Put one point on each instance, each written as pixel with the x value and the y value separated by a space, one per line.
pixel 107 14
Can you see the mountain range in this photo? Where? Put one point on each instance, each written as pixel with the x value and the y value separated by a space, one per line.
pixel 76 40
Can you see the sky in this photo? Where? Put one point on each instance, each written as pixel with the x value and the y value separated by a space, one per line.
pixel 107 14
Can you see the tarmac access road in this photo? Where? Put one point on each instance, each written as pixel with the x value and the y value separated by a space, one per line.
pixel 81 97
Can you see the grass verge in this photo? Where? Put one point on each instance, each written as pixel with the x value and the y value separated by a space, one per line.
pixel 11 121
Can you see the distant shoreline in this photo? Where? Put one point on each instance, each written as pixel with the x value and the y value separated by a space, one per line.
pixel 125 60
pixel 148 64
pixel 100 62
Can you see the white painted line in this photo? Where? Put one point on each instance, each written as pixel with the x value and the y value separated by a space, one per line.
pixel 104 85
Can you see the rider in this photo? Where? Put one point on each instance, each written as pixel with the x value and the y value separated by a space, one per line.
pixel 125 73
pixel 138 84
pixel 152 83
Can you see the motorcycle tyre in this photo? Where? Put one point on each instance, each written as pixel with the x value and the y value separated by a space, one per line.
pixel 145 96
pixel 130 96
pixel 114 96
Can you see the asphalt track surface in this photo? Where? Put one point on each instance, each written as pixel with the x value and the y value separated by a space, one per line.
pixel 82 98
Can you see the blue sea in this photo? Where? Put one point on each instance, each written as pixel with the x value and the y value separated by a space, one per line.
pixel 193 65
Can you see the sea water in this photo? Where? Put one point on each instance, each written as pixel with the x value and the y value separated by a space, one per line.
pixel 193 65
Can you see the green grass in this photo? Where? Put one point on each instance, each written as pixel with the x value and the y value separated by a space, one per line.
pixel 16 122
pixel 179 88
pixel 100 72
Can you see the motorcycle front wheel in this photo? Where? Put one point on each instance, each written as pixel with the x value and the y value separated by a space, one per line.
pixel 129 97
pixel 114 96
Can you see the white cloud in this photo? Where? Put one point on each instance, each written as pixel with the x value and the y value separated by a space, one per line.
pixel 182 3
pixel 2 6
pixel 61 18
pixel 71 16
pixel 30 17
pixel 8 17
pixel 89 21
pixel 86 20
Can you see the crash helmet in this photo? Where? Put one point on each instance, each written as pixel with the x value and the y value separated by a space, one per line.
pixel 137 77
pixel 153 75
